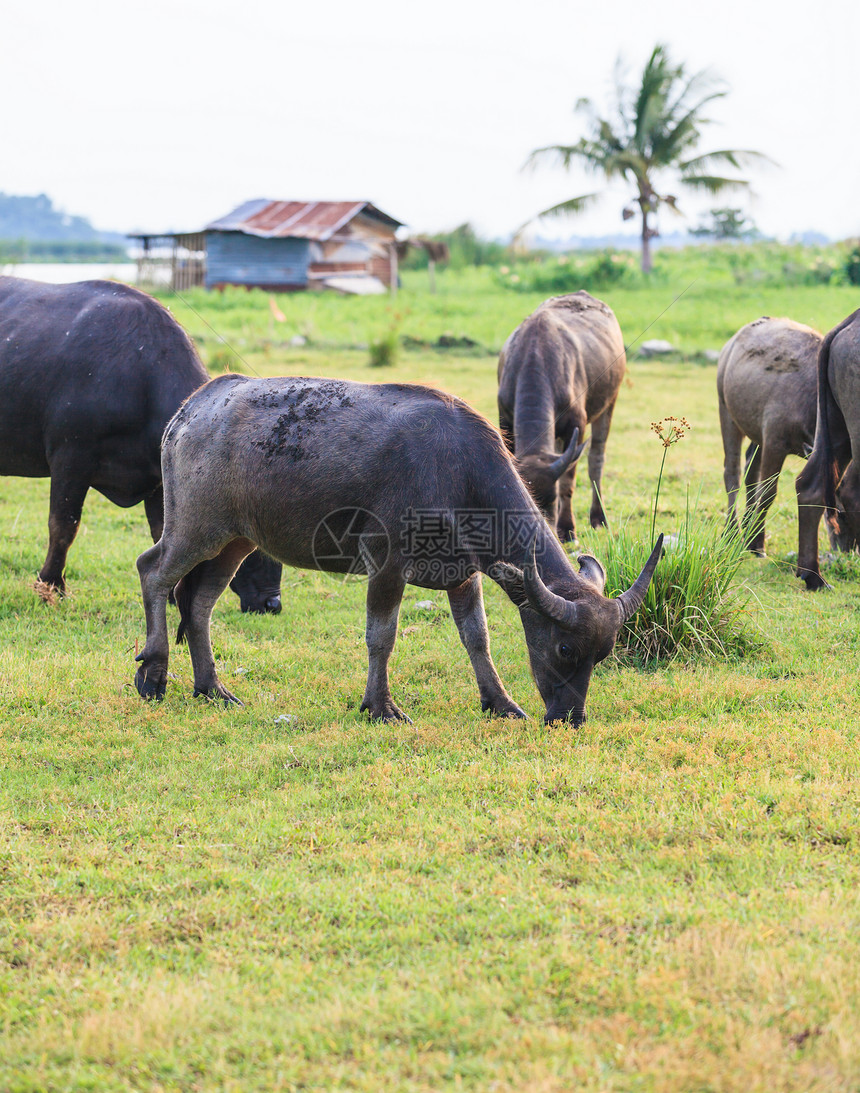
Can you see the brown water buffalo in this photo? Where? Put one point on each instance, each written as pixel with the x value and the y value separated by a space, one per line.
pixel 559 371
pixel 90 374
pixel 402 483
pixel 766 379
pixel 830 481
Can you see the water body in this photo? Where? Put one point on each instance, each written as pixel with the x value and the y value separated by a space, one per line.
pixel 63 273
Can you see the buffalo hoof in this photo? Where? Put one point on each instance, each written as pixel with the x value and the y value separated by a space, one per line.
pixel 597 520
pixel 149 687
pixel 815 582
pixel 507 708
pixel 218 693
pixel 574 719
pixel 568 536
pixel 385 711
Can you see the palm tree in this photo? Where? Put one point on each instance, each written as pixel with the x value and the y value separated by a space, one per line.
pixel 654 128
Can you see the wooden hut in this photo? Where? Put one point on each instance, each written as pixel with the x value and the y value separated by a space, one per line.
pixel 284 246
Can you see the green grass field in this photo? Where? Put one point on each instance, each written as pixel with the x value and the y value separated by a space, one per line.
pixel 287 897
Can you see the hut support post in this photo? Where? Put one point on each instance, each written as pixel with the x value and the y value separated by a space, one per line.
pixel 394 272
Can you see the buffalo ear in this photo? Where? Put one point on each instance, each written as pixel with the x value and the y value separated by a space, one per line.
pixel 592 571
pixel 510 579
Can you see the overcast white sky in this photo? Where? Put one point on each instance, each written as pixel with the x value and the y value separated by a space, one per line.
pixel 168 114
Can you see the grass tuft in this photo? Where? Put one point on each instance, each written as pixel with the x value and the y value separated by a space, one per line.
pixel 384 351
pixel 694 607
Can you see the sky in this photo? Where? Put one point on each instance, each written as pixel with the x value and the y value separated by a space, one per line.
pixel 166 115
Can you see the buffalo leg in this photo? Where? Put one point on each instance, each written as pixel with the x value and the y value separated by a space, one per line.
pixel 565 524
pixel 596 457
pixel 384 593
pixel 809 485
pixel 151 677
pixel 506 428
pixel 154 508
pixel 732 441
pixel 849 505
pixel 160 568
pixel 752 469
pixel 467 607
pixel 755 514
pixel 204 584
pixel 67 503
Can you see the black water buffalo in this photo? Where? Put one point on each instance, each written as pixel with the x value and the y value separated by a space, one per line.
pixel 830 481
pixel 561 369
pixel 90 374
pixel 766 381
pixel 402 483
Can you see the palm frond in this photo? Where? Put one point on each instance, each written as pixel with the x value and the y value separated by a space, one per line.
pixel 735 157
pixel 563 154
pixel 703 86
pixel 568 208
pixel 681 133
pixel 714 184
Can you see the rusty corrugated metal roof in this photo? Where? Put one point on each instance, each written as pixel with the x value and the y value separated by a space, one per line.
pixel 318 220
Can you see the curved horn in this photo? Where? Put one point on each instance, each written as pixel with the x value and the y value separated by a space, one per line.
pixel 631 600
pixel 592 571
pixel 544 601
pixel 568 457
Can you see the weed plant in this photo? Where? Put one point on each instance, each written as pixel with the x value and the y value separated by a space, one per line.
pixel 385 348
pixel 383 351
pixel 692 609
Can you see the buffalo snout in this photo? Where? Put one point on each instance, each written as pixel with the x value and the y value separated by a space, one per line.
pixel 261 604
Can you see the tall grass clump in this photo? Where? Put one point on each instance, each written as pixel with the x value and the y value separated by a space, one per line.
pixel 384 349
pixel 693 608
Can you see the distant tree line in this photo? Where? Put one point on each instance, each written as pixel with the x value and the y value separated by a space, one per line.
pixel 60 250
pixel 33 230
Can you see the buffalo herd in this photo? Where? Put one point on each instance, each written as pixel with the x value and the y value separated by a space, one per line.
pixel 403 484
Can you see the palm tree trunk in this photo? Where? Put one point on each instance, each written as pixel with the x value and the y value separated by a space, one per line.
pixel 646 238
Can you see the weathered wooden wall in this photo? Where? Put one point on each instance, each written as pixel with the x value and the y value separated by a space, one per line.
pixel 233 258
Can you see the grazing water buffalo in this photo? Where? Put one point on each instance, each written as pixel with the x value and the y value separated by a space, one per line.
pixel 90 374
pixel 402 483
pixel 830 481
pixel 559 370
pixel 766 378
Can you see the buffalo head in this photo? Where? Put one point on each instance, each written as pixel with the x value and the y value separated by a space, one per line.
pixel 570 628
pixel 258 584
pixel 542 471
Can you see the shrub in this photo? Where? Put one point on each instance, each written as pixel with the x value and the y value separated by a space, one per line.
pixel 383 351
pixel 851 265
pixel 568 273
pixel 691 608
